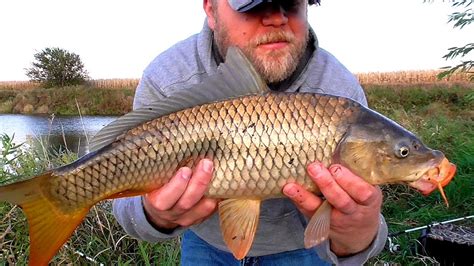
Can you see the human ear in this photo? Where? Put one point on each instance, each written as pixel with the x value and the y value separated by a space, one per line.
pixel 209 9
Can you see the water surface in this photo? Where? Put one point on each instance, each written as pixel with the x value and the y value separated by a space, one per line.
pixel 55 132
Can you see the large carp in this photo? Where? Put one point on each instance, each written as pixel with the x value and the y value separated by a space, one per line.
pixel 258 140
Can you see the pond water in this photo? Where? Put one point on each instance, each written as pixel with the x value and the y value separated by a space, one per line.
pixel 55 132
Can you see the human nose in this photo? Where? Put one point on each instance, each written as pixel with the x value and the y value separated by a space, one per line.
pixel 275 16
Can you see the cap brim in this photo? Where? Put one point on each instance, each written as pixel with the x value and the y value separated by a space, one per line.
pixel 248 6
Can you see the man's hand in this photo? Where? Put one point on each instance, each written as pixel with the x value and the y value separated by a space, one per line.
pixel 356 206
pixel 181 201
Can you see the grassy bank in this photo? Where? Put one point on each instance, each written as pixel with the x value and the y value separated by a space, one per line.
pixel 114 96
pixel 67 101
pixel 443 118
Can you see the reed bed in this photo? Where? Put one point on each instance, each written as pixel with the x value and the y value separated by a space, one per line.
pixel 96 83
pixel 113 83
pixel 423 77
pixel 19 85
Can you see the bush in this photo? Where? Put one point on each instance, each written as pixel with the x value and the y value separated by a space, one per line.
pixel 57 67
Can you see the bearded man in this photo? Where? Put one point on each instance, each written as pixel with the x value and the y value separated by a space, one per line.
pixel 278 40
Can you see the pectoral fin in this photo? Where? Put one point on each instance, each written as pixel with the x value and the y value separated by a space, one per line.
pixel 238 221
pixel 318 227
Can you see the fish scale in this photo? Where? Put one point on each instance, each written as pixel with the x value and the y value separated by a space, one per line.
pixel 250 160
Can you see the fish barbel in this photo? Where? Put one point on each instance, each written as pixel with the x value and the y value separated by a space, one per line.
pixel 258 140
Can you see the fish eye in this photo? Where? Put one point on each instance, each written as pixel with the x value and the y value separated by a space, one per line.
pixel 403 152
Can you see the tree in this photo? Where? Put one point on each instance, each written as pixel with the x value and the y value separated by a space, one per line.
pixel 57 67
pixel 460 20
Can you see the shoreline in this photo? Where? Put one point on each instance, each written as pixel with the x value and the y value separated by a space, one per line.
pixel 103 101
pixel 73 100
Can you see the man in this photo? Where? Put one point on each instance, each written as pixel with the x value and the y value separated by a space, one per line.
pixel 276 37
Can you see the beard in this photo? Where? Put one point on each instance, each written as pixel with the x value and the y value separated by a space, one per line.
pixel 272 65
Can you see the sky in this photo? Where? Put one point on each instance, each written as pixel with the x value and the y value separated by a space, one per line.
pixel 119 38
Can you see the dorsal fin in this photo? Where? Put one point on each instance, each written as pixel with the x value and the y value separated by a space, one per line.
pixel 234 78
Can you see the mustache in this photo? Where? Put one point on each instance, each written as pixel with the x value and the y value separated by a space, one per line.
pixel 275 36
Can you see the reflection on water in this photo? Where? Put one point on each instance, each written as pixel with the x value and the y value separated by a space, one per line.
pixel 55 133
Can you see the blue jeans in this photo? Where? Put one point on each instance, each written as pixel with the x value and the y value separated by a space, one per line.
pixel 197 252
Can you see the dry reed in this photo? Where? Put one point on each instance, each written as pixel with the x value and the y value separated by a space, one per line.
pixel 424 77
pixel 19 85
pixel 113 83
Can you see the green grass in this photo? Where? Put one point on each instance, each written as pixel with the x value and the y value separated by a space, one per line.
pixel 99 237
pixel 444 120
pixel 442 117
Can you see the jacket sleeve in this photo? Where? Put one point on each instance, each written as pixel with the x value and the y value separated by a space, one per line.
pixel 147 91
pixel 130 215
pixel 360 258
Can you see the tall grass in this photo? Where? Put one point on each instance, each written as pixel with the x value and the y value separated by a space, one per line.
pixel 64 101
pixel 115 96
pixel 369 78
pixel 95 83
pixel 410 78
pixel 99 239
pixel 19 85
pixel 113 83
pixel 443 118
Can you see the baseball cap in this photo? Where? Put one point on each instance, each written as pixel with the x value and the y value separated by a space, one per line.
pixel 246 5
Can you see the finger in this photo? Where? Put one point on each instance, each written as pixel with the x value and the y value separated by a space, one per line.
pixel 198 184
pixel 166 197
pixel 331 190
pixel 203 209
pixel 304 200
pixel 357 188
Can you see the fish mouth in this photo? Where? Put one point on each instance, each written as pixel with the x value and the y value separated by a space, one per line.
pixel 435 178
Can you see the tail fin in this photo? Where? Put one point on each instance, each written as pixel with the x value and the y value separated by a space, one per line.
pixel 49 227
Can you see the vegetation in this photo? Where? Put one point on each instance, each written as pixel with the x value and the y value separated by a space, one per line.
pixel 460 20
pixel 444 120
pixel 411 78
pixel 405 78
pixel 99 239
pixel 65 101
pixel 57 67
pixel 115 96
pixel 442 117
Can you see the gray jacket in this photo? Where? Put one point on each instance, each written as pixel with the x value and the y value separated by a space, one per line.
pixel 281 225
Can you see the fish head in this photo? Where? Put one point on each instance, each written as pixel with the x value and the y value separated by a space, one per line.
pixel 382 152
